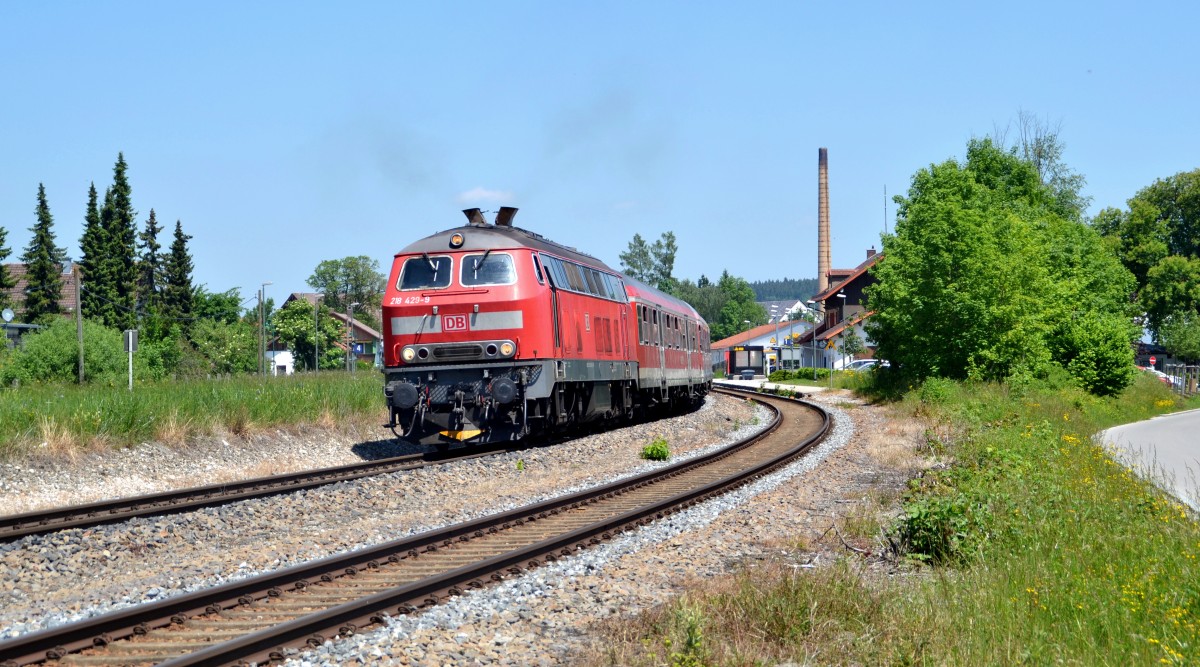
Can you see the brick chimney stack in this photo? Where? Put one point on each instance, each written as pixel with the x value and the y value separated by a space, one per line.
pixel 824 262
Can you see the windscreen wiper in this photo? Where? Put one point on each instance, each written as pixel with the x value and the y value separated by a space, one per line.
pixel 479 262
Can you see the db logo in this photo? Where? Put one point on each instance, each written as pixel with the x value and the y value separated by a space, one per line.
pixel 454 322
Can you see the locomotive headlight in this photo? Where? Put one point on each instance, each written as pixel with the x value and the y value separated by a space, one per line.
pixel 456 240
pixel 408 354
pixel 507 349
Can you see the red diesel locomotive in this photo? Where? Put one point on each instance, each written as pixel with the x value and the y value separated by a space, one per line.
pixel 492 333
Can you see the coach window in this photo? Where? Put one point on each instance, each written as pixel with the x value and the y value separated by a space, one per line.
pixel 559 273
pixel 487 268
pixel 425 272
pixel 590 280
pixel 574 279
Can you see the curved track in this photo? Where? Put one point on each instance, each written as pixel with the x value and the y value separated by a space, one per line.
pixel 39 522
pixel 255 619
pixel 110 511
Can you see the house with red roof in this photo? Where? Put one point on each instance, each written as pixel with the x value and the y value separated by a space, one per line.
pixel 844 308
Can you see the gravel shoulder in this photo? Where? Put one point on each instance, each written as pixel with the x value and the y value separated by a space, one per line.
pixel 52 579
pixel 555 615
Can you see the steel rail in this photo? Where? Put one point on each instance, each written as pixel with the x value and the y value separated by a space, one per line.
pixel 39 522
pixel 14 526
pixel 346 618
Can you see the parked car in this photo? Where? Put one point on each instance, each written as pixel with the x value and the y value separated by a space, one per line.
pixel 865 364
pixel 746 374
pixel 1166 379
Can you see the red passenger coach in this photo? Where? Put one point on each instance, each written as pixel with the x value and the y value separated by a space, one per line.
pixel 492 332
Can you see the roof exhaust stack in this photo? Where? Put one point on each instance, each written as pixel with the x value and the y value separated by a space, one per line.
pixel 475 217
pixel 505 217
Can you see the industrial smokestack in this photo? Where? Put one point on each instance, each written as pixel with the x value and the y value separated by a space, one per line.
pixel 823 251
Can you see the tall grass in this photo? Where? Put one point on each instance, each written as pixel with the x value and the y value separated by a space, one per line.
pixel 69 418
pixel 1033 547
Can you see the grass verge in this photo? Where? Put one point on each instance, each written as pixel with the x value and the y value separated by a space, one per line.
pixel 68 419
pixel 1031 547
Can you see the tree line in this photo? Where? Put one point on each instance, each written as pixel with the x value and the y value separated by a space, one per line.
pixel 995 272
pixel 128 280
pixel 728 305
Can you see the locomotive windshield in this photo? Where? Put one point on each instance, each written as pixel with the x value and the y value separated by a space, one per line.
pixel 487 269
pixel 424 272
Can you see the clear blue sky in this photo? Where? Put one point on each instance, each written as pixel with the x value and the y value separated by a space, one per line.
pixel 283 134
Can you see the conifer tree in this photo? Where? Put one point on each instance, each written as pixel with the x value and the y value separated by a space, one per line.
pixel 177 292
pixel 44 270
pixel 92 246
pixel 7 282
pixel 120 226
pixel 150 269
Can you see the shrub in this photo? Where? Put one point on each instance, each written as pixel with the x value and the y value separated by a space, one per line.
pixel 1095 350
pixel 657 450
pixel 935 391
pixel 52 355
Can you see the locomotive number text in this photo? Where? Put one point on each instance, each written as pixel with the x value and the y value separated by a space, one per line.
pixel 406 300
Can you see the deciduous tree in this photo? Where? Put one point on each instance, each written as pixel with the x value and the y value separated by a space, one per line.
pixel 298 327
pixel 984 278
pixel 739 307
pixel 1180 334
pixel 350 280
pixel 652 264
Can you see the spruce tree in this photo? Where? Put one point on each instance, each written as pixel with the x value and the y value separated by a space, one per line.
pixel 92 246
pixel 7 282
pixel 149 269
pixel 44 266
pixel 177 292
pixel 120 226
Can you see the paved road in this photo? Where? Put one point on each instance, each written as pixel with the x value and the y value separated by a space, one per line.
pixel 1165 449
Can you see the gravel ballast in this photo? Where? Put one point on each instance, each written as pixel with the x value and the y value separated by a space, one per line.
pixel 552 615
pixel 72 574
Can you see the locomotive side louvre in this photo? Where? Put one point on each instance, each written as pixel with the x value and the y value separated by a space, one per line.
pixel 494 332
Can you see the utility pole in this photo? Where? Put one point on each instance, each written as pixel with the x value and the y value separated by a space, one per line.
pixel 78 316
pixel 350 361
pixel 262 329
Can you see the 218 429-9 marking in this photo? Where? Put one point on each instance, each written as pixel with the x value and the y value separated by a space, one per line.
pixel 408 300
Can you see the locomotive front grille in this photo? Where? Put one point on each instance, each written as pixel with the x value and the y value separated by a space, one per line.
pixel 458 352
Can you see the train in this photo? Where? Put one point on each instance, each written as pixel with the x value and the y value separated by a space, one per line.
pixel 495 333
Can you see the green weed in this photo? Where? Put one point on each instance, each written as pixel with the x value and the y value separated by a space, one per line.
pixel 657 450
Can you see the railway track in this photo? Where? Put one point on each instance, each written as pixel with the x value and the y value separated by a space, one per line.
pixel 14 526
pixel 39 522
pixel 254 620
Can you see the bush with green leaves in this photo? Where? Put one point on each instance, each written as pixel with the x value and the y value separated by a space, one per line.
pixel 987 276
pixel 657 450
pixel 52 354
